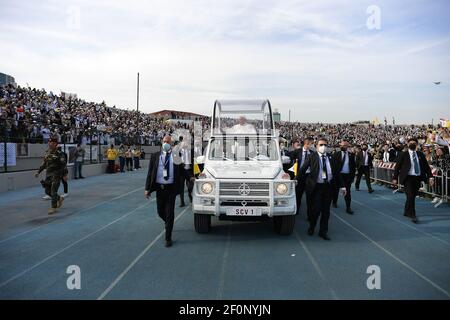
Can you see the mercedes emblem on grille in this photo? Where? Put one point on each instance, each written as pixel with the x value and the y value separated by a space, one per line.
pixel 244 189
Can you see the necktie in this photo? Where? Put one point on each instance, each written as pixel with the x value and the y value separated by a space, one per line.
pixel 416 163
pixel 166 165
pixel 324 169
pixel 304 157
pixel 343 159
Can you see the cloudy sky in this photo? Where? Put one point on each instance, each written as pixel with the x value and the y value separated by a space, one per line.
pixel 331 61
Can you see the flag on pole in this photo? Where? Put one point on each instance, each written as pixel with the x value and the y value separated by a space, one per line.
pixel 196 169
pixel 294 168
pixel 445 123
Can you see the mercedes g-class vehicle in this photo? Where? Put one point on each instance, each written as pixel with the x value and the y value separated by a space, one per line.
pixel 243 177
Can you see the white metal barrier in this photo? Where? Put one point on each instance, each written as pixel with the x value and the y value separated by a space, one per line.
pixel 383 172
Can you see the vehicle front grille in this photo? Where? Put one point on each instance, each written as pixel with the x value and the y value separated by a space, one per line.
pixel 260 189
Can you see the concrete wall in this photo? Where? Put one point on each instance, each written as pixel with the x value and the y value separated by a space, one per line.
pixel 36 153
pixel 18 180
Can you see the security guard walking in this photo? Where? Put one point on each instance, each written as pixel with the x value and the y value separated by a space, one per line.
pixel 55 163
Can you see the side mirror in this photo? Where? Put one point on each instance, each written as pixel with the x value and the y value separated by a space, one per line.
pixel 200 159
pixel 286 160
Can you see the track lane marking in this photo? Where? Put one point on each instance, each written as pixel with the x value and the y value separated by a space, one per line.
pixel 76 212
pixel 316 265
pixel 71 245
pixel 224 260
pixel 403 223
pixel 436 286
pixel 136 260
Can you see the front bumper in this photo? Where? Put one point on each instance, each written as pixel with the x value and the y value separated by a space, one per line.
pixel 270 205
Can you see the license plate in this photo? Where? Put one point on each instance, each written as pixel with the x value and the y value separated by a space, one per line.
pixel 243 211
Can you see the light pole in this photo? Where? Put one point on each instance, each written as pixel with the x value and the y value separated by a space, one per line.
pixel 137 106
pixel 137 109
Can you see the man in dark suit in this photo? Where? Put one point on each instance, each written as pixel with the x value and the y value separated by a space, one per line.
pixel 412 168
pixel 392 154
pixel 345 161
pixel 164 178
pixel 320 184
pixel 187 170
pixel 364 163
pixel 299 156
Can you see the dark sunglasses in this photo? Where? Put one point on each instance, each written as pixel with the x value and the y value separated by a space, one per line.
pixel 322 144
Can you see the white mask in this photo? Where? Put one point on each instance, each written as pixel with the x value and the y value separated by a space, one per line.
pixel 322 149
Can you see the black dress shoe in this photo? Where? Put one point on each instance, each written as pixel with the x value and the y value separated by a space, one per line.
pixel 349 211
pixel 334 205
pixel 371 190
pixel 76 178
pixel 310 232
pixel 168 243
pixel 182 205
pixel 415 220
pixel 324 236
pixel 81 177
pixel 357 189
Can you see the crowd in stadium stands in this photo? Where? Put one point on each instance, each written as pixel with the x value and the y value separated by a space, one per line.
pixel 434 140
pixel 32 115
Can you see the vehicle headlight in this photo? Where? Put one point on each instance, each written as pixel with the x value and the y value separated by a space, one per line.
pixel 281 188
pixel 206 187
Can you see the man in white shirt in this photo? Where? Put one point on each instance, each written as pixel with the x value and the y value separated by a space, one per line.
pixel 386 153
pixel 45 134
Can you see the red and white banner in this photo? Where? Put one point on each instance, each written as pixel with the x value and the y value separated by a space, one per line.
pixel 391 166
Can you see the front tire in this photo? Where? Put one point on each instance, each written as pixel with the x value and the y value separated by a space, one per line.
pixel 202 222
pixel 284 225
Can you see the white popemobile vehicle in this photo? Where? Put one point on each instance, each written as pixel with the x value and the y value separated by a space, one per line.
pixel 243 177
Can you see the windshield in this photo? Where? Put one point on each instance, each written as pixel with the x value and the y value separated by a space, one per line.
pixel 243 149
pixel 242 117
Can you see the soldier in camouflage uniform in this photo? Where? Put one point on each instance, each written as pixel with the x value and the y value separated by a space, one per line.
pixel 55 163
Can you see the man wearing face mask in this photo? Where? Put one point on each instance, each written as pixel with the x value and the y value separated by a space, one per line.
pixel 186 168
pixel 320 184
pixel 364 163
pixel 164 178
pixel 284 152
pixel 299 156
pixel 412 168
pixel 345 161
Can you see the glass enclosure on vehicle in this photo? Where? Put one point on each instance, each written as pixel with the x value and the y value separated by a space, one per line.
pixel 243 149
pixel 242 118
